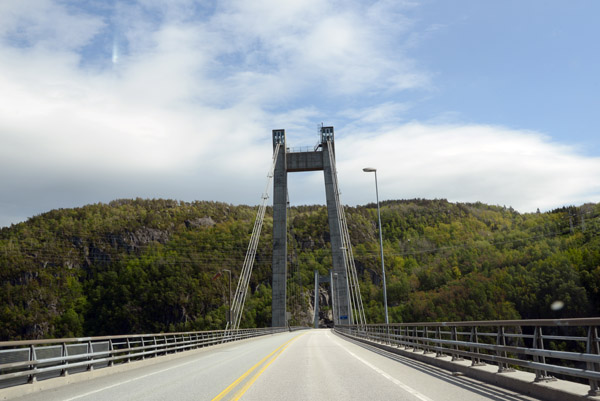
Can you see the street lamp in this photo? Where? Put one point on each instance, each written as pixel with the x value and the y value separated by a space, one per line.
pixel 336 311
pixel 229 317
pixel 374 170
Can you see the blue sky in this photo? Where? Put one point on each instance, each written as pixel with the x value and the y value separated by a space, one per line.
pixel 520 64
pixel 465 100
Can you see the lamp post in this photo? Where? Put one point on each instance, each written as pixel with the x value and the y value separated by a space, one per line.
pixel 229 317
pixel 336 311
pixel 374 170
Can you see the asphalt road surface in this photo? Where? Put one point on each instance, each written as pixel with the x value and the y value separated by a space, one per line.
pixel 303 365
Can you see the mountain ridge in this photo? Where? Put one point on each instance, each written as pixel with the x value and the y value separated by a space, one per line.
pixel 139 265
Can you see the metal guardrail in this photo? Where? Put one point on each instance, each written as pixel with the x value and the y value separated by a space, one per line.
pixel 565 347
pixel 301 149
pixel 26 361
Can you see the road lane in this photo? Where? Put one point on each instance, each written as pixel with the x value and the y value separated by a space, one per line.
pixel 200 376
pixel 306 365
pixel 322 365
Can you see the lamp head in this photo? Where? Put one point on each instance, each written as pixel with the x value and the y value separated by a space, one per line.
pixel 369 169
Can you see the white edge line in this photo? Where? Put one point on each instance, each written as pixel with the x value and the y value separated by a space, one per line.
pixel 387 376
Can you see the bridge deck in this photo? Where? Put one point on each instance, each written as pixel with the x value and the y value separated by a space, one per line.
pixel 315 364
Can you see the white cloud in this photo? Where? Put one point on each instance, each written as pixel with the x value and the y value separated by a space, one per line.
pixel 469 163
pixel 188 109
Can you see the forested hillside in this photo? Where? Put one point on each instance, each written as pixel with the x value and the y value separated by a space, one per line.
pixel 150 265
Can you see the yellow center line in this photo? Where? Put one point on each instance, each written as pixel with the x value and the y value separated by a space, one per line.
pixel 242 377
pixel 260 372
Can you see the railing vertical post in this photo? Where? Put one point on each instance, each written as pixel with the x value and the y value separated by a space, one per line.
pixel 500 343
pixel 426 343
pixel 63 351
pixel 438 336
pixel 90 350
pixel 474 338
pixel 592 348
pixel 416 338
pixel 32 357
pixel 387 328
pixel 111 354
pixel 128 350
pixel 454 335
pixel 538 343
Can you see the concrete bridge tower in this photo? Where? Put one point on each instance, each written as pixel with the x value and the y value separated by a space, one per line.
pixel 319 159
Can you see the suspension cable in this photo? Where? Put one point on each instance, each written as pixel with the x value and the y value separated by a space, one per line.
pixel 244 279
pixel 356 308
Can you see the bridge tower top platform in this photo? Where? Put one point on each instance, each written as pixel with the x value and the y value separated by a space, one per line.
pixel 304 159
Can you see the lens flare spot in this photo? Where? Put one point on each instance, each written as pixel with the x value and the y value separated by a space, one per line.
pixel 115 53
pixel 557 305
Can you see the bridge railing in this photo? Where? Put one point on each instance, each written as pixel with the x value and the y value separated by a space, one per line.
pixel 568 348
pixel 31 360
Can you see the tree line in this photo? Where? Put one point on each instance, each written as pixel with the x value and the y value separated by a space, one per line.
pixel 140 266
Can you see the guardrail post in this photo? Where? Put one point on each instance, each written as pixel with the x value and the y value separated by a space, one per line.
pixel 413 339
pixel 426 343
pixel 63 351
pixel 538 343
pixel 501 342
pixel 32 357
pixel 454 335
pixel 403 335
pixel 111 352
pixel 438 336
pixel 474 338
pixel 90 350
pixel 128 350
pixel 592 348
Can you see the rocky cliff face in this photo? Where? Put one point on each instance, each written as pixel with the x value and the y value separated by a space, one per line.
pixel 325 311
pixel 104 250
